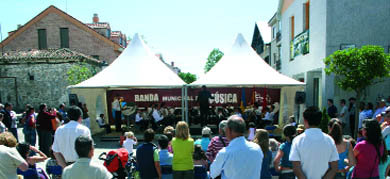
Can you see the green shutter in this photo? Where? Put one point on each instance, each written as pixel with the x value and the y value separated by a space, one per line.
pixel 42 39
pixel 64 36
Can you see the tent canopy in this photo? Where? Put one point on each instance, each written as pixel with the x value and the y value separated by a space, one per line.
pixel 136 66
pixel 241 66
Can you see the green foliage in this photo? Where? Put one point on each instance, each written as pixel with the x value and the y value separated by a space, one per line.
pixel 324 121
pixel 213 58
pixel 358 68
pixel 187 77
pixel 78 73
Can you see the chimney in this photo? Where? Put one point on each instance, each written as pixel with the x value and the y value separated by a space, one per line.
pixel 19 26
pixel 172 64
pixel 95 18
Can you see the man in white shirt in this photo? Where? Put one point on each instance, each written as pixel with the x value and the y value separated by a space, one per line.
pixel 116 107
pixel 140 121
pixel 65 137
pixel 158 118
pixel 102 124
pixel 313 151
pixel 83 168
pixel 343 116
pixel 241 158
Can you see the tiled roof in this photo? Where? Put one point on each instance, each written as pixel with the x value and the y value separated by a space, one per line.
pixel 63 54
pixel 99 25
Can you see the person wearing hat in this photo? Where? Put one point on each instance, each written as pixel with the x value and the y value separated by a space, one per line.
pixel 300 129
pixel 205 140
pixel 381 108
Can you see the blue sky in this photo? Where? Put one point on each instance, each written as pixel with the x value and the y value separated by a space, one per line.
pixel 183 31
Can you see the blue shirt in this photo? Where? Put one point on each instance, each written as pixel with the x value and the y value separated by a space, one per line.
pixel 240 159
pixel 204 142
pixel 285 162
pixel 165 157
pixel 265 172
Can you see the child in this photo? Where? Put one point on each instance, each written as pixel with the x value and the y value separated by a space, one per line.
pixel 165 158
pixel 199 156
pixel 52 167
pixel 252 131
pixel 2 126
pixel 129 143
pixel 282 163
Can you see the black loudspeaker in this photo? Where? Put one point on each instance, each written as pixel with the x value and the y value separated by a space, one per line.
pixel 73 99
pixel 300 97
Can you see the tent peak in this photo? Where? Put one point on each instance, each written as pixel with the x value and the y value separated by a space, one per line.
pixel 240 40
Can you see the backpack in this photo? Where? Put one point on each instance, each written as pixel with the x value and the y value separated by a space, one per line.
pixel 116 159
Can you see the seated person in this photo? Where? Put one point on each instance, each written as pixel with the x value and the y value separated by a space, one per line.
pixel 165 157
pixel 102 124
pixel 140 120
pixel 33 171
pixel 157 116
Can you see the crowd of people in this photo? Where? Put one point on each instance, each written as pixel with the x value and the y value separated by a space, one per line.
pixel 241 149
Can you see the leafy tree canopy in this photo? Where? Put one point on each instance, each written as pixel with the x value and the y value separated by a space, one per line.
pixel 187 77
pixel 213 58
pixel 358 68
pixel 78 73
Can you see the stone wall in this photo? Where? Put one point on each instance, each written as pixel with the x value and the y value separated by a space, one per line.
pixel 79 40
pixel 47 86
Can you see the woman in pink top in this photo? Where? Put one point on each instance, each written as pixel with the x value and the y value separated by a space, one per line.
pixel 369 152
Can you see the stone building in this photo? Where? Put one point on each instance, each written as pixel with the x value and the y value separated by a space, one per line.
pixel 312 30
pixel 39 76
pixel 54 29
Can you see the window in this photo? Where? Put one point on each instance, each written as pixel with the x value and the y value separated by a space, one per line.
pixel 64 37
pixel 292 27
pixel 306 17
pixel 273 32
pixel 42 39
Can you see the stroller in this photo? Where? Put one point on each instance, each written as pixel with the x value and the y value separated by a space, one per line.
pixel 118 163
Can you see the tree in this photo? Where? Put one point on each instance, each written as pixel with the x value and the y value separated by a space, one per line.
pixel 187 77
pixel 358 68
pixel 213 58
pixel 78 73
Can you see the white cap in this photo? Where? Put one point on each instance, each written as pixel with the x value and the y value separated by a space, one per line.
pixel 206 131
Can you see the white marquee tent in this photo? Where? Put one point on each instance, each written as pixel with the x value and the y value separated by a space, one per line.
pixel 243 67
pixel 136 67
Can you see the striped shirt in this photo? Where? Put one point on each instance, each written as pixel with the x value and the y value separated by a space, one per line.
pixel 215 146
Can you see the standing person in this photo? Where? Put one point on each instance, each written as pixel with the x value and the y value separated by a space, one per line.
pixel 362 114
pixel 205 140
pixel 262 139
pixel 203 100
pixel 86 120
pixel 10 157
pixel 369 153
pixel 381 108
pixel 116 107
pixel 281 162
pixel 10 119
pixel 65 137
pixel 343 116
pixel 29 130
pixel 148 160
pixel 241 159
pixel 217 142
pixel 183 148
pixel 344 148
pixel 45 128
pixel 351 112
pixel 332 109
pixel 165 158
pixel 84 168
pixel 129 143
pixel 62 111
pixel 370 110
pixel 313 148
pixel 2 126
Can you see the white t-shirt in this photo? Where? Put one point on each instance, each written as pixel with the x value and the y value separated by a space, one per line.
pixel 128 144
pixel 314 149
pixel 10 160
pixel 157 117
pixel 138 117
pixel 115 105
pixel 65 137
